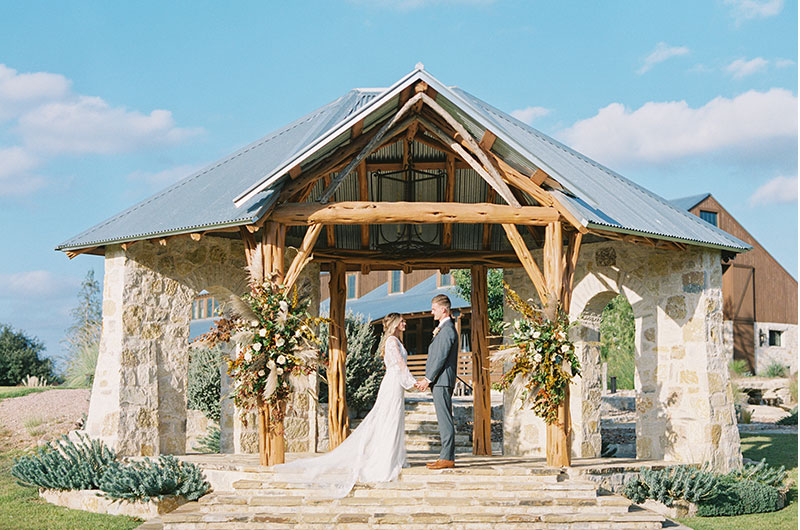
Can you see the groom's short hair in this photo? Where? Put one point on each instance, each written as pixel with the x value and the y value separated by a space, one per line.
pixel 442 300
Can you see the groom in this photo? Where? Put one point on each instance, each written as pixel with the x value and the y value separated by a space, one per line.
pixel 440 373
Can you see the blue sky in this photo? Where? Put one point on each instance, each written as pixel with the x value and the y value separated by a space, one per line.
pixel 105 103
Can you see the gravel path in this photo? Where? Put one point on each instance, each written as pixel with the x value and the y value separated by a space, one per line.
pixel 43 416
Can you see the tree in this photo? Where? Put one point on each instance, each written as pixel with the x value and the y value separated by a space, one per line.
pixel 20 356
pixel 463 280
pixel 82 342
pixel 617 346
pixel 363 369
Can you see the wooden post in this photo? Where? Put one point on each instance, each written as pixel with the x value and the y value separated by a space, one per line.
pixel 271 445
pixel 338 420
pixel 481 378
pixel 558 433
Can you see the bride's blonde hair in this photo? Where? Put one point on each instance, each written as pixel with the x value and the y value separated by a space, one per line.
pixel 390 323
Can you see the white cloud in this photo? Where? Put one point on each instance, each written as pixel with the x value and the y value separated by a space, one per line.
pixel 21 92
pixel 15 177
pixel 743 10
pixel 741 68
pixel 662 52
pixel 162 179
pixel 667 131
pixel 90 125
pixel 775 191
pixel 36 284
pixel 529 114
pixel 783 63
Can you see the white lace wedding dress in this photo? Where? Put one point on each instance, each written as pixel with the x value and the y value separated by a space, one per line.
pixel 375 451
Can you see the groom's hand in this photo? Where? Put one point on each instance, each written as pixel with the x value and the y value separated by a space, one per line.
pixel 422 385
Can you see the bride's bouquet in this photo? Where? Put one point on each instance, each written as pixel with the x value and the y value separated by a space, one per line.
pixel 543 360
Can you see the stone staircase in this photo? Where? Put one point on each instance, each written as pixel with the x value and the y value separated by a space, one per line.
pixel 481 492
pixel 422 429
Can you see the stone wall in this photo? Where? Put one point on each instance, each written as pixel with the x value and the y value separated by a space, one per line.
pixel 684 402
pixel 138 403
pixel 785 354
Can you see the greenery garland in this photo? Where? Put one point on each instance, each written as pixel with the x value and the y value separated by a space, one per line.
pixel 544 361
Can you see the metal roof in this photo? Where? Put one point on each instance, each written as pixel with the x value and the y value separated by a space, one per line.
pixel 378 303
pixel 597 196
pixel 687 203
pixel 205 199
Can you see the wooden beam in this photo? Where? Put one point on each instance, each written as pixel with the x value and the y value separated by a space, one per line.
pixel 74 253
pixel 349 213
pixel 519 181
pixel 370 147
pixel 481 367
pixel 338 420
pixel 539 177
pixel 128 244
pixel 487 228
pixel 363 195
pixel 449 196
pixel 330 235
pixel 571 262
pixel 304 255
pixel 487 141
pixel 495 182
pixel 295 172
pixel 357 129
pixel 196 236
pixel 527 261
pixel 473 146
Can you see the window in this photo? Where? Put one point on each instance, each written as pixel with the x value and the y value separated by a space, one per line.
pixel 775 337
pixel 209 307
pixel 445 279
pixel 395 282
pixel 194 309
pixel 351 285
pixel 709 217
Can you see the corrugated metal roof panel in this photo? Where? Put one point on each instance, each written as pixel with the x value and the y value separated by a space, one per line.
pixel 687 203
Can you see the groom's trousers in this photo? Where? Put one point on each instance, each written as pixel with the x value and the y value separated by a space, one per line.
pixel 443 404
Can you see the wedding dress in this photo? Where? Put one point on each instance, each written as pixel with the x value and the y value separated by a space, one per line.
pixel 375 451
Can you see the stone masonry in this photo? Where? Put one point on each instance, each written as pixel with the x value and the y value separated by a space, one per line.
pixel 138 403
pixel 684 402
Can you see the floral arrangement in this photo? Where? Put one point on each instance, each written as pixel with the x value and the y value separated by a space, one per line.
pixel 544 359
pixel 276 347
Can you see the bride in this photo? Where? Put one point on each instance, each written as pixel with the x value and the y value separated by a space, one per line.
pixel 376 449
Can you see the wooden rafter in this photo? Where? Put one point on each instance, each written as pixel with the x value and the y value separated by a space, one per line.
pixel 456 259
pixel 349 213
pixel 73 253
pixel 304 255
pixel 639 240
pixel 528 263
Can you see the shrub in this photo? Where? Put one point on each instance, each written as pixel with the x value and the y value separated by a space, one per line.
pixel 759 472
pixel 793 387
pixel 20 356
pixel 210 442
pixel 364 368
pixel 146 480
pixel 739 367
pixel 742 497
pixel 791 419
pixel 64 465
pixel 617 347
pixel 775 369
pixel 494 294
pixel 204 382
pixel 81 367
pixel 672 483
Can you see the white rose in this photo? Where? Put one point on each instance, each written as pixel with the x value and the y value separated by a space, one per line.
pixel 248 357
pixel 281 359
pixel 516 324
pixel 254 323
pixel 262 332
pixel 565 348
pixel 261 373
pixel 280 371
pixel 284 305
pixel 298 333
pixel 279 341
pixel 536 335
pixel 537 357
pixel 271 364
pixel 257 346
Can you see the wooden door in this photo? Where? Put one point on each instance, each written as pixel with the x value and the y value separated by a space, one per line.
pixel 738 287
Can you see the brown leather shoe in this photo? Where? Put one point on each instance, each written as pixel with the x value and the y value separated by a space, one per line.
pixel 442 464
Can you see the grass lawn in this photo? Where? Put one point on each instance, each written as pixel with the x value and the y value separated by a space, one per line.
pixel 19 391
pixel 779 450
pixel 21 509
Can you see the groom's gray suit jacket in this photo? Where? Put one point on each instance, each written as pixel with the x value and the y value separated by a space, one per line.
pixel 440 368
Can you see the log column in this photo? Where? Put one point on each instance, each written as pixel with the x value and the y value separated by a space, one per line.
pixel 271 443
pixel 558 433
pixel 481 379
pixel 338 420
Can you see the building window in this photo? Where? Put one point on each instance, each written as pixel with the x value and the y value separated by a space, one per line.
pixel 351 285
pixel 395 282
pixel 445 279
pixel 194 309
pixel 775 337
pixel 209 307
pixel 709 217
